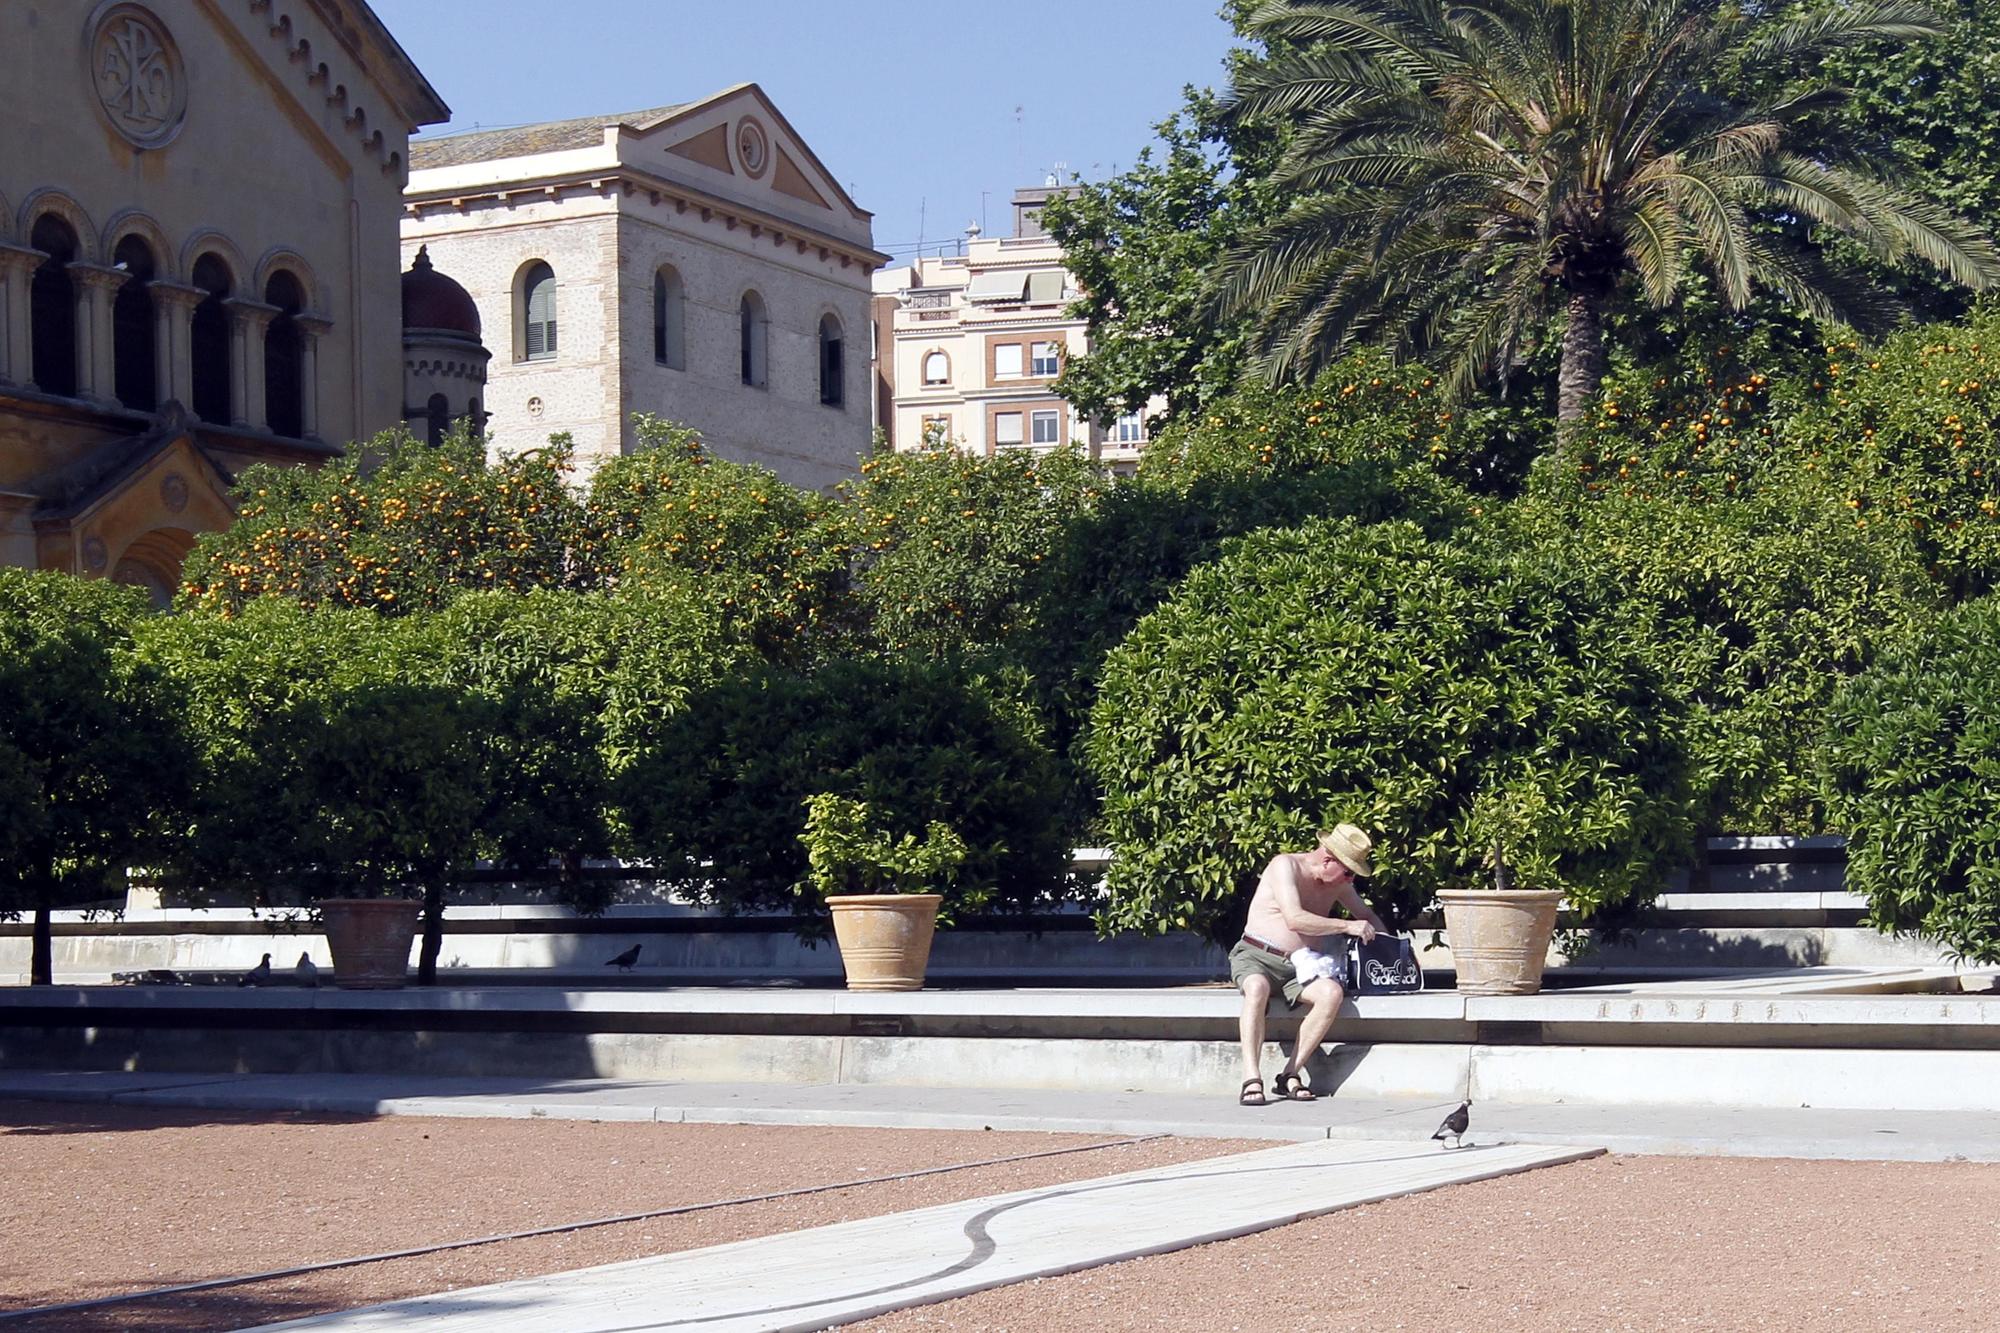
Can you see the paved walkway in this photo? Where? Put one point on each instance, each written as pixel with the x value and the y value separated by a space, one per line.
pixel 831 1275
pixel 1707 1130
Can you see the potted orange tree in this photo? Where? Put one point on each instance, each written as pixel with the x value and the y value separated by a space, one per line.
pixel 883 891
pixel 1500 931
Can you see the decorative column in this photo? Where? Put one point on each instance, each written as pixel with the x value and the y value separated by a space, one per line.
pixel 311 329
pixel 247 322
pixel 17 273
pixel 173 340
pixel 95 285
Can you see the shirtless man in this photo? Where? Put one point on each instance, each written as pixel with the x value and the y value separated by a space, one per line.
pixel 1289 912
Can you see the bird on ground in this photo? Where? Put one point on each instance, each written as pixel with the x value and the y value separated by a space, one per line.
pixel 257 975
pixel 307 970
pixel 626 961
pixel 1455 1125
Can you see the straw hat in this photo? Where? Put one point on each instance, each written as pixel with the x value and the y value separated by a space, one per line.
pixel 1349 846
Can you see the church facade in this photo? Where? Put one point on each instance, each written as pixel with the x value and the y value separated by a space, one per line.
pixel 695 261
pixel 199 263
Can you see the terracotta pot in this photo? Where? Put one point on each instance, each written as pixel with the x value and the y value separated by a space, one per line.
pixel 885 938
pixel 1499 937
pixel 370 940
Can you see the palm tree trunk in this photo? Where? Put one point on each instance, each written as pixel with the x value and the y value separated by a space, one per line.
pixel 1582 363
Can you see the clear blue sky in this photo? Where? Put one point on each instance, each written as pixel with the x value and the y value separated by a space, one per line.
pixel 919 109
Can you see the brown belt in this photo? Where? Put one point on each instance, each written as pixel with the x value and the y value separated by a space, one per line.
pixel 1266 946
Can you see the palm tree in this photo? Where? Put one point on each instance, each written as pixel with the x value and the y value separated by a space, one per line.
pixel 1464 167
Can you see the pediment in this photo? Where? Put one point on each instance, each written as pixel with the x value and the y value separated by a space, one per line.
pixel 164 469
pixel 747 148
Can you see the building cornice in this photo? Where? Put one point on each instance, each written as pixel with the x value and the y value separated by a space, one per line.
pixel 627 181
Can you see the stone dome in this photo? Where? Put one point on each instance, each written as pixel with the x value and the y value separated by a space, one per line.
pixel 433 301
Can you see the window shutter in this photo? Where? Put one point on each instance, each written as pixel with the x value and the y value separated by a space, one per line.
pixel 830 386
pixel 541 339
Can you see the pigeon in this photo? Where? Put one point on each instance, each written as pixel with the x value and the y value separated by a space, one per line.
pixel 307 971
pixel 626 961
pixel 1455 1125
pixel 257 975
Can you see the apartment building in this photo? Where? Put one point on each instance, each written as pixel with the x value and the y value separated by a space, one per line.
pixel 968 346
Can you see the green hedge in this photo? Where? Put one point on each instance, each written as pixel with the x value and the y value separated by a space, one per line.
pixel 95 766
pixel 1913 780
pixel 719 803
pixel 1441 697
pixel 1759 607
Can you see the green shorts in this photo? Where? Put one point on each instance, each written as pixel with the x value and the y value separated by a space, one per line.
pixel 1246 958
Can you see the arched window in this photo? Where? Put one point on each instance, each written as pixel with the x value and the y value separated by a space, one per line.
pixel 937 368
pixel 208 340
pixel 132 329
pixel 670 319
pixel 832 365
pixel 437 419
pixel 52 307
pixel 538 312
pixel 284 357
pixel 754 329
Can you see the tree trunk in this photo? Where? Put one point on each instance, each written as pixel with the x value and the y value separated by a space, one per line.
pixel 1582 363
pixel 427 958
pixel 42 953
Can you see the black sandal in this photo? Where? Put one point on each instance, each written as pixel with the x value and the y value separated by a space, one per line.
pixel 1292 1088
pixel 1252 1093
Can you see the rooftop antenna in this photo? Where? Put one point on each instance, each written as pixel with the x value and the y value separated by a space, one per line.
pixel 921 201
pixel 1019 138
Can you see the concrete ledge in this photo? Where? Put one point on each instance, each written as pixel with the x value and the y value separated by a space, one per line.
pixel 1602 1016
pixel 1721 1076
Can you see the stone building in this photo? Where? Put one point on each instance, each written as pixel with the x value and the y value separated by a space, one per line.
pixel 693 261
pixel 199 202
pixel 968 346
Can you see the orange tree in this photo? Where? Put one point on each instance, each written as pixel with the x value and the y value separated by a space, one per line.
pixel 397 525
pixel 94 763
pixel 767 558
pixel 1899 436
pixel 949 547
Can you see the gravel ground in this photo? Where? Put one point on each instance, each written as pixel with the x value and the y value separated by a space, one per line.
pixel 101 1200
pixel 1615 1243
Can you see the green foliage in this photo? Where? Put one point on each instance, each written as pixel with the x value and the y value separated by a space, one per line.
pixel 719 805
pixel 1931 108
pixel 1367 443
pixel 630 659
pixel 1913 780
pixel 1364 411
pixel 847 852
pixel 1896 435
pixel 1140 246
pixel 950 548
pixel 763 555
pixel 396 526
pixel 349 754
pixel 1453 185
pixel 1439 696
pixel 1754 609
pixel 93 762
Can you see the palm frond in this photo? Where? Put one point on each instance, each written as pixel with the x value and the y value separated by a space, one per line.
pixel 1801 42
